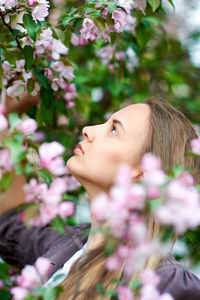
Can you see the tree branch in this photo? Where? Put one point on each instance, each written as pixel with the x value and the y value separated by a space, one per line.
pixel 11 30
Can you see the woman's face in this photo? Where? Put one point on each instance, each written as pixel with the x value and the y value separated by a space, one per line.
pixel 105 146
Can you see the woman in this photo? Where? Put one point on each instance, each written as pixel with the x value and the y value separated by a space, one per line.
pixel 153 126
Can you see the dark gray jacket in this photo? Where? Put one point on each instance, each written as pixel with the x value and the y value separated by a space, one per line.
pixel 20 246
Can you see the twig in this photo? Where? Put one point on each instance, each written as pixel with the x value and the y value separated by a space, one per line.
pixel 11 30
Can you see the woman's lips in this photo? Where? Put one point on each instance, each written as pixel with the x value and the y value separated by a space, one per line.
pixel 79 149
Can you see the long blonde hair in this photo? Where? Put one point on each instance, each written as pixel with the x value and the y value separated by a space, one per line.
pixel 171 133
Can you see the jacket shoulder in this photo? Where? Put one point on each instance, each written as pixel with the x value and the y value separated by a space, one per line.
pixel 179 282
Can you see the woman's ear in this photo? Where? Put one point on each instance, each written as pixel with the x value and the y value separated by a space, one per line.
pixel 136 173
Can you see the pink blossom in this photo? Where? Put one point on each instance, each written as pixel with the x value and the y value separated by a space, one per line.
pixel 68 73
pixel 195 145
pixel 153 192
pixel 43 266
pixel 149 292
pixel 88 24
pixel 2 109
pixel 28 40
pixel 31 3
pixel 1 284
pixel 5 159
pixel 27 126
pixel 149 277
pixel 40 12
pixel 62 83
pixel 113 263
pixel 154 177
pixel 99 207
pixel 166 296
pixel 48 73
pixel 125 293
pixel 19 293
pixel 3 122
pixel 66 209
pixel 58 48
pixel 57 166
pixel 70 104
pixel 20 65
pixel 57 66
pixel 120 19
pixel 47 213
pixel 74 39
pixel 35 90
pixel 29 278
pixel 49 151
pixel 150 162
pixel 17 89
pixel 34 191
pixel 9 4
pixel 72 183
pixel 123 176
pixel 136 196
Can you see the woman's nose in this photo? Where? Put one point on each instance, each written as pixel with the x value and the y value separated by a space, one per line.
pixel 88 133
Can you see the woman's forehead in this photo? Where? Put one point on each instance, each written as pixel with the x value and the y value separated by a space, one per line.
pixel 133 114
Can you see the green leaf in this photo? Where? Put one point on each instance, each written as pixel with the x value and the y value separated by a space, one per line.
pixel 154 4
pixel 30 85
pixel 151 19
pixel 41 78
pixel 112 6
pixel 171 2
pixel 59 224
pixel 28 55
pixel 154 204
pixel 30 26
pixel 45 175
pixel 6 181
pixel 5 295
pixel 168 234
pixel 135 284
pixel 100 23
pixel 142 35
pixel 66 20
pixel 15 146
pixel 47 97
pixel 14 120
pixel 100 288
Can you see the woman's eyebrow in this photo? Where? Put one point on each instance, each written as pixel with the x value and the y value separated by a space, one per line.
pixel 118 122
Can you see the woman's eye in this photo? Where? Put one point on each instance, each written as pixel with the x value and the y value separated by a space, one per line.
pixel 114 130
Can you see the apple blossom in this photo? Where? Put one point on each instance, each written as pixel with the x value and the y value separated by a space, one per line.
pixel 3 122
pixel 195 145
pixel 17 89
pixel 43 266
pixel 66 209
pixel 19 293
pixel 40 12
pixel 125 293
pixel 27 126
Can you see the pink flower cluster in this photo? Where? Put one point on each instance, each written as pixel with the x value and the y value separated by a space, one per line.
pixel 50 200
pixel 195 145
pixel 121 21
pixel 40 11
pixel 3 119
pixel 19 86
pixel 7 5
pixel 31 277
pixel 5 161
pixel 182 204
pixel 149 291
pixel 27 126
pixel 50 158
pixel 125 209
